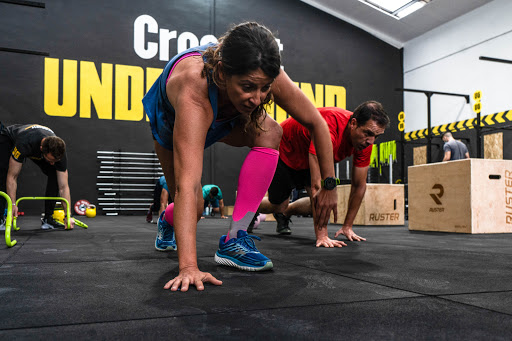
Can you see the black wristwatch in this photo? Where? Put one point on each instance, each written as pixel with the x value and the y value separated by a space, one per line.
pixel 330 183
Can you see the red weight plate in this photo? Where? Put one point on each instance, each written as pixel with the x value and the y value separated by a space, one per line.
pixel 81 206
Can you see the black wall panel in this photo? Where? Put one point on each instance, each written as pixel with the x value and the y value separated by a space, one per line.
pixel 317 49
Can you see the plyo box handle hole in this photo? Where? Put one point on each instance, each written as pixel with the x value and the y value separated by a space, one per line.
pixel 494 176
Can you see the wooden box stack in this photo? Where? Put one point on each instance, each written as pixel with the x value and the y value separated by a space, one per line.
pixel 465 196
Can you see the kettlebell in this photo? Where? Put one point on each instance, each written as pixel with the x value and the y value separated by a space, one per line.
pixel 58 215
pixel 90 211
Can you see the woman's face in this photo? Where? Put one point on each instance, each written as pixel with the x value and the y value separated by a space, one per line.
pixel 247 92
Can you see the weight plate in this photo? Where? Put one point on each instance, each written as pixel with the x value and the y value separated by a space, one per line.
pixel 81 206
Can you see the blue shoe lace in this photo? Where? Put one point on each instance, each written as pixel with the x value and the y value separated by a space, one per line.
pixel 248 242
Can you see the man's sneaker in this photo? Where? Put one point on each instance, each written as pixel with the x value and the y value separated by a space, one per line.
pixel 149 217
pixel 50 224
pixel 2 224
pixel 241 253
pixel 282 224
pixel 165 240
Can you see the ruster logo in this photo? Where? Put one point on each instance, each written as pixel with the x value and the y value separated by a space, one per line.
pixel 437 196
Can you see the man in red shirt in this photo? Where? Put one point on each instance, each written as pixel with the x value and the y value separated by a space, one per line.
pixel 351 134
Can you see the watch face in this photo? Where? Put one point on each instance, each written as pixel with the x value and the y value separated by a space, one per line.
pixel 329 183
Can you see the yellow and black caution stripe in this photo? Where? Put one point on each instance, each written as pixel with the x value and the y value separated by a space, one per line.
pixel 488 120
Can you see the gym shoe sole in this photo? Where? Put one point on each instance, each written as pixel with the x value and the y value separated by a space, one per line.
pixel 45 226
pixel 51 224
pixel 164 246
pixel 284 231
pixel 233 263
pixel 241 253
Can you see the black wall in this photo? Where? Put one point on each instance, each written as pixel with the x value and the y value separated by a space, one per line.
pixel 318 49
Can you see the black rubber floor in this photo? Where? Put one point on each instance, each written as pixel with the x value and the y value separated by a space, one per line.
pixel 106 282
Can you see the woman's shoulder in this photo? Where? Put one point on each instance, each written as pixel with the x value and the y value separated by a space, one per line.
pixel 188 69
pixel 187 77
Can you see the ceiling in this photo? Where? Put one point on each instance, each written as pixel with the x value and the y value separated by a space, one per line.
pixel 393 31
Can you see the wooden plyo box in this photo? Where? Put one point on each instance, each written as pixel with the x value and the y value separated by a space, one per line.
pixel 465 196
pixel 383 204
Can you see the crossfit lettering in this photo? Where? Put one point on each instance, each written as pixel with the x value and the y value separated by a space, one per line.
pixel 115 91
pixel 145 27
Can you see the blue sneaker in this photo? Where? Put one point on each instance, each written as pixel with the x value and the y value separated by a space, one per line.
pixel 165 240
pixel 241 253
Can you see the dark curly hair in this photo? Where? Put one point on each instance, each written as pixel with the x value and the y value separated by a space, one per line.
pixel 371 110
pixel 54 145
pixel 244 48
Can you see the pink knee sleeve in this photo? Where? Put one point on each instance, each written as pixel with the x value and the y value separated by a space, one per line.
pixel 169 214
pixel 255 177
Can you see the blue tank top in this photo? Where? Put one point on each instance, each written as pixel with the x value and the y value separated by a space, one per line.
pixel 161 113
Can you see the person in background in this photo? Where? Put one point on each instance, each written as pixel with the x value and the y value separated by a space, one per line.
pixel 212 196
pixel 454 149
pixel 351 134
pixel 160 199
pixel 20 142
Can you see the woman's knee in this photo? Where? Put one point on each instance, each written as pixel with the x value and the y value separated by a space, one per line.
pixel 272 136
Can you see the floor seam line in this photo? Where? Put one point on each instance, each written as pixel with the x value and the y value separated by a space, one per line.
pixel 207 313
pixel 357 279
pixel 474 306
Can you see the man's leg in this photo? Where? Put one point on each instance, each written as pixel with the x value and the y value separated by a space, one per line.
pixel 52 190
pixel 300 206
pixel 278 211
pixel 279 197
pixel 149 214
pixel 5 154
pixel 298 179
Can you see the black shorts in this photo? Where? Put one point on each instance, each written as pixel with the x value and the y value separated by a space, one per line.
pixel 285 180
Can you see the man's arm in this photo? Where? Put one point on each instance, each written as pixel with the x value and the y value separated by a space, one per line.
pixel 447 155
pixel 221 208
pixel 62 180
pixel 322 237
pixel 357 191
pixel 12 182
pixel 466 152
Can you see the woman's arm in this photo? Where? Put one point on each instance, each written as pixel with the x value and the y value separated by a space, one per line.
pixel 288 96
pixel 188 94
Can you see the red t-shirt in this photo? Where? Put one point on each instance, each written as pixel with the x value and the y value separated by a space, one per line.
pixel 296 143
